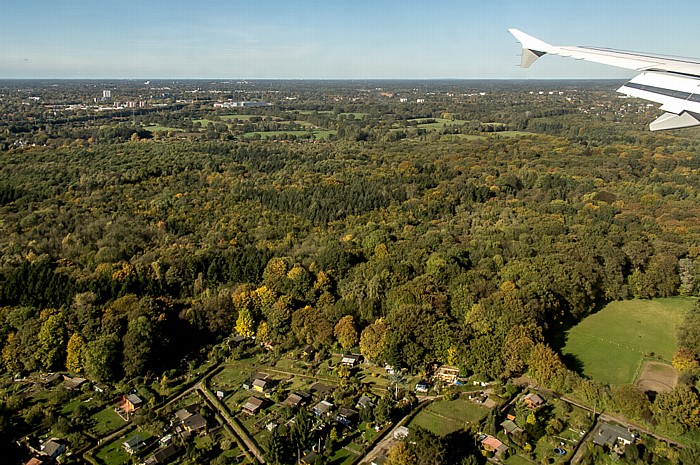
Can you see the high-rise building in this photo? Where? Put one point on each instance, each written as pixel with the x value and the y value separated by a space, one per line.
pixel 106 94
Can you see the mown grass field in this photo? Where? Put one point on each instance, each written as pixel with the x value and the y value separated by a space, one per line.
pixel 445 417
pixel 611 343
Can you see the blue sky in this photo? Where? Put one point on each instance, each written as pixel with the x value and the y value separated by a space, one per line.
pixel 330 39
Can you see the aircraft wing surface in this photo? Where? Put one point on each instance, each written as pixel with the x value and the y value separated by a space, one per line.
pixel 674 82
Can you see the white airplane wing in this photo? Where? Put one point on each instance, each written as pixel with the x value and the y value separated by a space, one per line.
pixel 674 82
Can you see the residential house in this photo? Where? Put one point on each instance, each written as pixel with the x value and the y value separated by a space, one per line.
pixel 309 459
pixel 195 423
pixel 53 448
pixel 129 403
pixel 261 385
pixel 162 456
pixel 492 444
pixel 510 415
pixel 253 405
pixel 297 399
pixel 321 389
pixel 51 379
pixel 401 433
pixel 447 374
pixel 34 461
pixel 323 408
pixel 350 360
pixel 509 427
pixel 364 402
pixel 347 416
pixel 73 383
pixel 134 444
pixel 613 435
pixel 533 401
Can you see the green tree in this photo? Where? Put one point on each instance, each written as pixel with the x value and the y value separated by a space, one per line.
pixel 138 346
pixel 678 410
pixel 51 342
pixel 102 358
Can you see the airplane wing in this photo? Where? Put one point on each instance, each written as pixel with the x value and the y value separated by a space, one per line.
pixel 674 82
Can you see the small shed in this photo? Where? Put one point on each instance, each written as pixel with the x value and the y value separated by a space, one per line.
pixel 323 408
pixel 253 405
pixel 134 444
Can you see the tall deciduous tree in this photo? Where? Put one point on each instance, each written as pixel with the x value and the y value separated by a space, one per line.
pixel 245 326
pixel 345 332
pixel 51 342
pixel 75 353
pixel 373 340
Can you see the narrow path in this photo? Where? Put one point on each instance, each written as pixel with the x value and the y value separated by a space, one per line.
pixel 233 423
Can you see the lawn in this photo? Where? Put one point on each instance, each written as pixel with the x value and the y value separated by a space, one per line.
pixel 444 417
pixel 611 343
pixel 114 454
pixel 159 128
pixel 106 420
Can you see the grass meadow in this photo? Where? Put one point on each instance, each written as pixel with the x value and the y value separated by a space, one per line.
pixel 445 417
pixel 611 343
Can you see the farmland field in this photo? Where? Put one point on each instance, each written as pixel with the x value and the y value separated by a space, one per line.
pixel 611 343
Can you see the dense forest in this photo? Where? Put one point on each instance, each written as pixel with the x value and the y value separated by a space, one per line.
pixel 120 259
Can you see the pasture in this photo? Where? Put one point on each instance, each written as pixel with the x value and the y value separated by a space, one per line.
pixel 611 343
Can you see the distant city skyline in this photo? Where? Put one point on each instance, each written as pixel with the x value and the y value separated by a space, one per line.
pixel 312 39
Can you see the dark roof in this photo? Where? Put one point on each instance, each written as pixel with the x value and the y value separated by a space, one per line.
pixel 50 447
pixel 162 455
pixel 348 412
pixel 322 407
pixel 310 458
pixel 321 388
pixel 293 400
pixel 73 383
pixel 608 434
pixel 182 414
pixel 134 441
pixel 134 399
pixel 195 422
pixel 364 402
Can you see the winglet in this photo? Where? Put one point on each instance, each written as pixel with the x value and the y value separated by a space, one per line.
pixel 532 48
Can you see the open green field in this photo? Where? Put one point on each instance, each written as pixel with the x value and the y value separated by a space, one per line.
pixel 445 417
pixel 159 128
pixel 106 420
pixel 322 135
pixel 611 343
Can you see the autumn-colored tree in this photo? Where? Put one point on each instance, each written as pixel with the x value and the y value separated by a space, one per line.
pixel 544 364
pixel 685 360
pixel 345 332
pixel 401 454
pixel 245 326
pixel 373 340
pixel 75 353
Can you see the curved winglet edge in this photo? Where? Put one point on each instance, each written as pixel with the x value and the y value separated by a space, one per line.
pixel 533 48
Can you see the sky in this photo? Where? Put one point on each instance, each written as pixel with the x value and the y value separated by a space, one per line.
pixel 329 39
